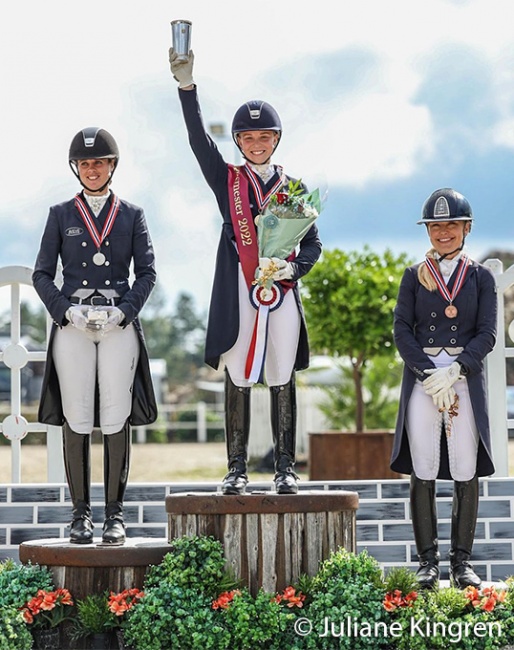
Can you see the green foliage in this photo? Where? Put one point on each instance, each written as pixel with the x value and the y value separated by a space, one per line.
pixel 93 616
pixel 401 578
pixel 258 622
pixel 14 634
pixel 346 587
pixel 20 582
pixel 195 562
pixel 171 616
pixel 349 567
pixel 349 302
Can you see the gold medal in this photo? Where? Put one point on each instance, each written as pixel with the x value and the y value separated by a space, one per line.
pixel 99 259
pixel 451 311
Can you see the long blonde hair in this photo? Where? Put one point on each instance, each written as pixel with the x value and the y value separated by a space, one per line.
pixel 424 275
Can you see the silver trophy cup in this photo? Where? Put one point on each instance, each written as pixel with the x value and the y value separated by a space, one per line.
pixel 181 38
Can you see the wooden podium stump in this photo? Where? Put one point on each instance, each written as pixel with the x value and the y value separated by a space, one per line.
pixel 269 539
pixel 93 568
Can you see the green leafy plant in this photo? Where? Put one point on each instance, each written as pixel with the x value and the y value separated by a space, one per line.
pixel 402 579
pixel 20 582
pixel 93 616
pixel 171 616
pixel 14 634
pixel 195 562
pixel 176 609
pixel 347 588
pixel 260 622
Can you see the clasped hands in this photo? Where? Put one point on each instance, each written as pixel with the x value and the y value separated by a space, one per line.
pixel 81 317
pixel 440 385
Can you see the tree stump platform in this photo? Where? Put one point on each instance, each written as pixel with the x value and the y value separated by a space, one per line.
pixel 93 568
pixel 269 539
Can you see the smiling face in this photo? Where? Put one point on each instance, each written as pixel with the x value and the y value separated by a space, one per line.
pixel 447 236
pixel 257 146
pixel 95 173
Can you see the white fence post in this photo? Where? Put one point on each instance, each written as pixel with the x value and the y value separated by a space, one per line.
pixel 496 375
pixel 201 419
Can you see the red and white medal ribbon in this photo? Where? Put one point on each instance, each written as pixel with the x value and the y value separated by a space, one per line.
pixel 441 284
pixel 265 301
pixel 261 197
pixel 88 220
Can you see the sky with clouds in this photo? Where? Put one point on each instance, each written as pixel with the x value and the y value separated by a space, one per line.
pixel 381 102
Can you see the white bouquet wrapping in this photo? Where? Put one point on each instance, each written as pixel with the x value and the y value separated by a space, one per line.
pixel 281 227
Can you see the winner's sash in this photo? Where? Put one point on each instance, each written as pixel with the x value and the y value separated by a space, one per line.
pixel 262 299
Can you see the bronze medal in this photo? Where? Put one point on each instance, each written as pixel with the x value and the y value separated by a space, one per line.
pixel 451 311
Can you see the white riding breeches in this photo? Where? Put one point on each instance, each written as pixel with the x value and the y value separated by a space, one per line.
pixel 81 359
pixel 423 424
pixel 282 343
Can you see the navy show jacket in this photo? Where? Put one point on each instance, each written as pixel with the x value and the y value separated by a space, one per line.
pixel 223 320
pixel 420 322
pixel 66 237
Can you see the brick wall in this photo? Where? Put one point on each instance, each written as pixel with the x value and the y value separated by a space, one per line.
pixel 29 511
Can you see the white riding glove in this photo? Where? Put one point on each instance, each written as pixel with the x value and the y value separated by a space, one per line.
pixel 285 269
pixel 181 70
pixel 264 262
pixel 444 398
pixel 441 378
pixel 77 315
pixel 116 317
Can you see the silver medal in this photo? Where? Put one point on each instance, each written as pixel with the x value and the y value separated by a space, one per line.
pixel 99 259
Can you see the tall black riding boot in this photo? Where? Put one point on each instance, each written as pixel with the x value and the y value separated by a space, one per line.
pixel 237 431
pixel 116 471
pixel 283 426
pixel 464 519
pixel 424 524
pixel 77 463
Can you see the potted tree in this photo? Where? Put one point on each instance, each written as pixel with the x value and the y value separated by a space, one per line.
pixel 349 301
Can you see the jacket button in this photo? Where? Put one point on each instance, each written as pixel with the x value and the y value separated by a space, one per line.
pixel 432 328
pixel 85 282
pixel 107 263
pixel 106 242
pixel 430 340
pixel 453 341
pixel 433 314
pixel 84 264
pixel 107 282
pixel 453 328
pixel 84 244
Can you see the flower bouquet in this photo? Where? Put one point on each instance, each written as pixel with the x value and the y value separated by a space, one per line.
pixel 286 219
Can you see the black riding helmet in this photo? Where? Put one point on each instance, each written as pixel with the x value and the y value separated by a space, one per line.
pixel 91 143
pixel 256 115
pixel 447 205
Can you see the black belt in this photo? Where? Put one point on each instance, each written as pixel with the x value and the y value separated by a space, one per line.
pixel 95 301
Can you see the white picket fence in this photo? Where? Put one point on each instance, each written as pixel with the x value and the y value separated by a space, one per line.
pixel 310 419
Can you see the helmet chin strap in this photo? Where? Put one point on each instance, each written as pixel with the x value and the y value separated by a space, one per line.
pixel 99 190
pixel 451 252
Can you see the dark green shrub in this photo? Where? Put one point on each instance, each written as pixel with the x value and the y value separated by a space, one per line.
pixel 169 617
pixel 20 582
pixel 194 562
pixel 14 634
